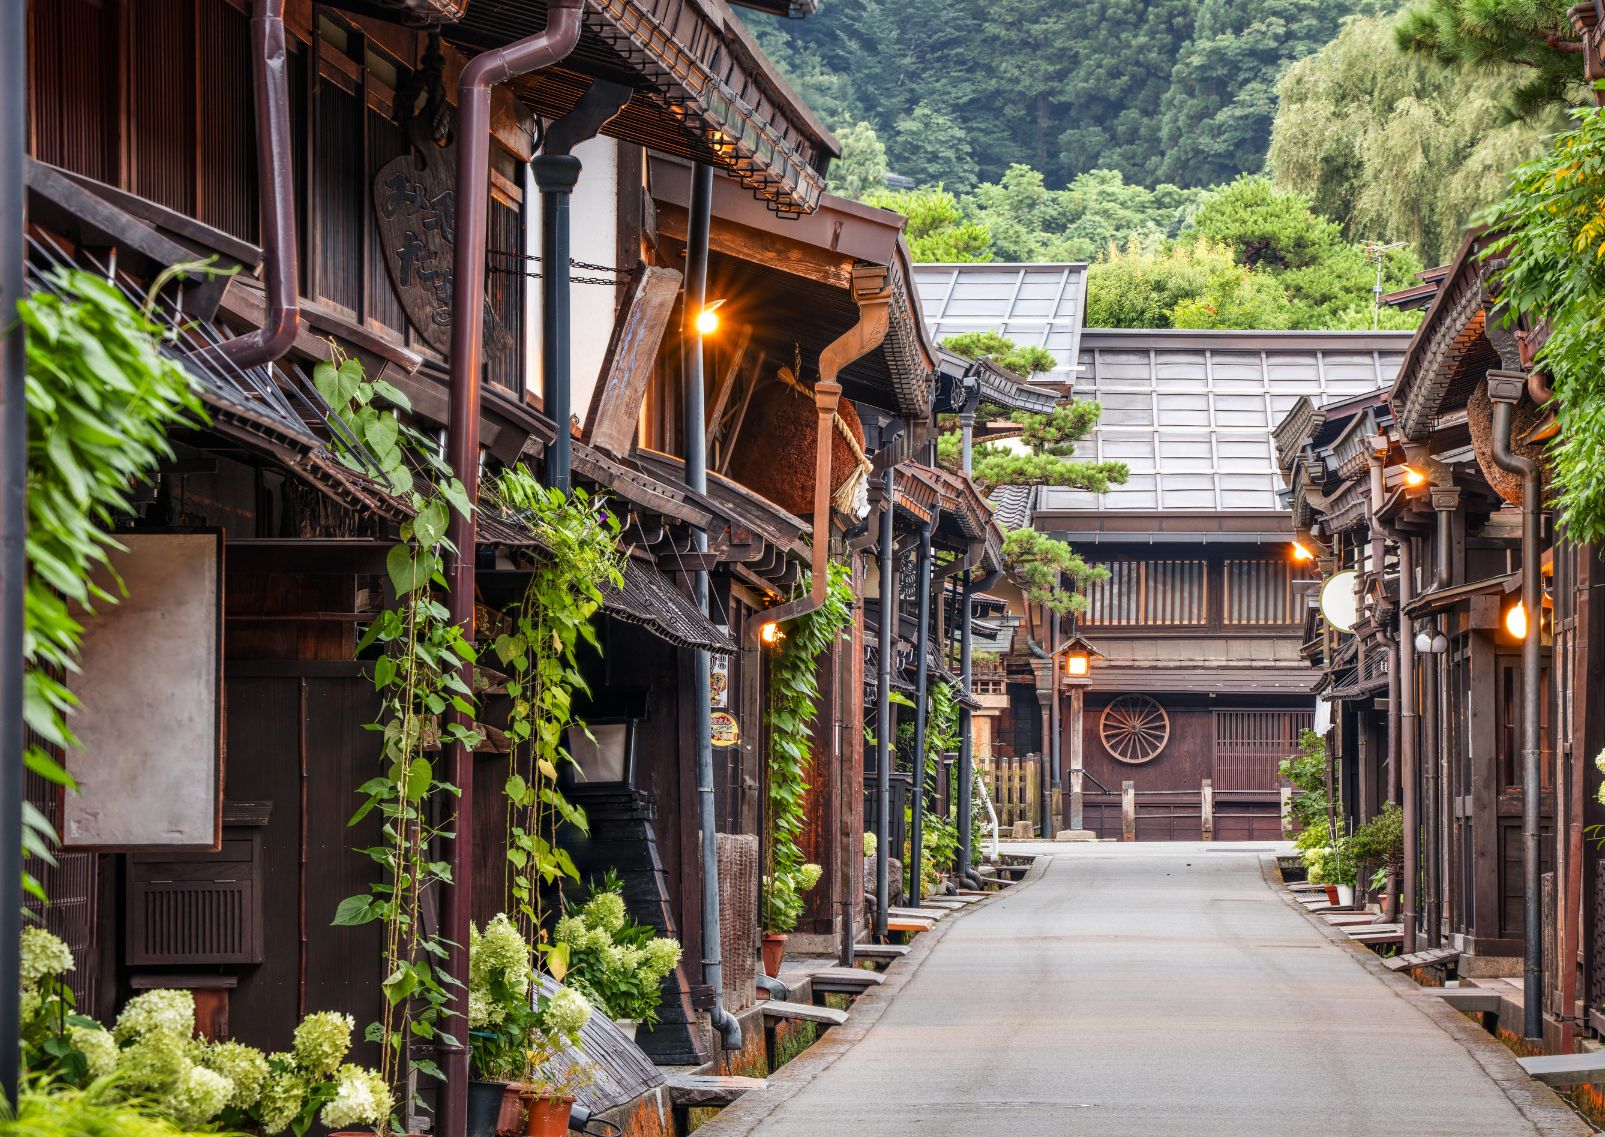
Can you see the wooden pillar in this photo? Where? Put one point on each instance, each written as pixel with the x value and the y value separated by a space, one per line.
pixel 1077 761
pixel 1206 799
pixel 1128 811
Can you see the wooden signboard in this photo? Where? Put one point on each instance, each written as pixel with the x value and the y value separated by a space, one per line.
pixel 627 366
pixel 148 763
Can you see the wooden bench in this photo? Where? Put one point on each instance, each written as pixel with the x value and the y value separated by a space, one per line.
pixel 844 980
pixel 830 1016
pixel 1565 1069
pixel 705 1091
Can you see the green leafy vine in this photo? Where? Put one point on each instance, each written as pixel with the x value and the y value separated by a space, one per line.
pixel 418 678
pixel 793 705
pixel 101 399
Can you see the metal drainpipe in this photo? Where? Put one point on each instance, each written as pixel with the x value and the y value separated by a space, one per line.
pixel 1433 682
pixel 1376 460
pixel 696 476
pixel 13 521
pixel 966 717
pixel 555 176
pixel 1409 752
pixel 274 146
pixel 483 72
pixel 883 706
pixel 1050 823
pixel 1504 389
pixel 921 696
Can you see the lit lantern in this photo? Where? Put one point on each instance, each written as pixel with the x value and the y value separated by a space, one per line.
pixel 771 634
pixel 1078 656
pixel 708 319
pixel 1414 477
pixel 1516 620
pixel 1302 552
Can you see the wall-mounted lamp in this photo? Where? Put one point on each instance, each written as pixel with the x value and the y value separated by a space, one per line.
pixel 708 318
pixel 770 634
pixel 1516 620
pixel 1414 477
pixel 1302 552
pixel 1431 643
pixel 605 752
pixel 1078 656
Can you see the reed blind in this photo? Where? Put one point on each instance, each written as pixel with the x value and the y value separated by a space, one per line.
pixel 1259 592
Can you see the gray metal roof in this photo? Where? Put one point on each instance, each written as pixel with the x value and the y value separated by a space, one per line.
pixel 1191 413
pixel 1039 305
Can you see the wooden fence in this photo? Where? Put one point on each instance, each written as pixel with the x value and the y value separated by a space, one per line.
pixel 1015 785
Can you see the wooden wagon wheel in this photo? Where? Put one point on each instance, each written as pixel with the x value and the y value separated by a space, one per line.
pixel 1134 729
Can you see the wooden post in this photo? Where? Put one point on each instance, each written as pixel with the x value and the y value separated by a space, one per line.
pixel 1077 758
pixel 1128 811
pixel 1207 801
pixel 1287 806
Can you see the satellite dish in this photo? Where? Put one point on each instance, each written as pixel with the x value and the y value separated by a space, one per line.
pixel 1338 602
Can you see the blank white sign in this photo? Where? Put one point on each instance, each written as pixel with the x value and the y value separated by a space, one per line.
pixel 148 762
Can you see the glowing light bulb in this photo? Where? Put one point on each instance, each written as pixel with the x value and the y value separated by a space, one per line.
pixel 771 634
pixel 1302 552
pixel 1078 665
pixel 708 319
pixel 1516 621
pixel 1414 477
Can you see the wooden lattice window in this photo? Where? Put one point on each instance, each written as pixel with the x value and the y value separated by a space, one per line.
pixel 1259 592
pixel 1250 744
pixel 1157 592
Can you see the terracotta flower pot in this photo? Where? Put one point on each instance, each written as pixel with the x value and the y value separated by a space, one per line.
pixel 547 1117
pixel 1331 894
pixel 774 950
pixel 511 1121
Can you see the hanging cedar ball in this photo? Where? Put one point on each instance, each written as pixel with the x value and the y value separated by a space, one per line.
pixel 775 453
pixel 1480 420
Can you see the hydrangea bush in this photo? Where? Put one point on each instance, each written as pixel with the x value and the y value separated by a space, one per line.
pixel 619 963
pixel 151 1054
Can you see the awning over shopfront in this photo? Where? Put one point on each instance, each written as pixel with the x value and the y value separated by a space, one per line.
pixel 650 599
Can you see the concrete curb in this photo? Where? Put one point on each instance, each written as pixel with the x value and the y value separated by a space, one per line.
pixel 749 1112
pixel 1544 1109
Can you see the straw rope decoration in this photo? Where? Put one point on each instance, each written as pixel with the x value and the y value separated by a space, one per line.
pixel 847 493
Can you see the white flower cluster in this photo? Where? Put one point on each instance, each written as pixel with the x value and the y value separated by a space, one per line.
pixel 42 956
pixel 360 1098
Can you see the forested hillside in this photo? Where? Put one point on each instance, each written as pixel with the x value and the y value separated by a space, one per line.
pixel 1179 91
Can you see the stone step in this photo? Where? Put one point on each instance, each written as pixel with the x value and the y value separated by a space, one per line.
pixel 1473 1000
pixel 845 980
pixel 709 1091
pixel 1566 1069
pixel 775 1009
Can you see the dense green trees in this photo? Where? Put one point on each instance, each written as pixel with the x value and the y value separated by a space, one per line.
pixel 1397 148
pixel 1531 43
pixel 1169 90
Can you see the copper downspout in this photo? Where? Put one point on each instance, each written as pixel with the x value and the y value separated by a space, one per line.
pixel 1505 389
pixel 1409 739
pixel 1445 500
pixel 274 146
pixel 874 297
pixel 483 72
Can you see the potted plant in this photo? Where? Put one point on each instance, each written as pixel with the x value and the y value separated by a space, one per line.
pixel 1380 843
pixel 783 900
pixel 501 1016
pixel 615 961
pixel 553 1063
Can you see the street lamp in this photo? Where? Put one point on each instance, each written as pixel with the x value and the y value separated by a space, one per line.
pixel 1078 655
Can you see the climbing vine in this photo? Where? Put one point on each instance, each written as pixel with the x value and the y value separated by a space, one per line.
pixel 419 681
pixel 793 705
pixel 940 843
pixel 539 648
pixel 101 399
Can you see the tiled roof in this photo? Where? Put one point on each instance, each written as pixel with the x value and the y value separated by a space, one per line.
pixel 1191 413
pixel 1039 305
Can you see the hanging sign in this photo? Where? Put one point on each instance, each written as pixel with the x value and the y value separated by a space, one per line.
pixel 725 730
pixel 719 678
pixel 1338 602
pixel 415 208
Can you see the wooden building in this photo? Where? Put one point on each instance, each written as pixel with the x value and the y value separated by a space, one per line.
pixel 144 128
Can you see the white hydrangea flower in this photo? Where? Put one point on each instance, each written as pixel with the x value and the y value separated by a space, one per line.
pixel 567 1012
pixel 42 955
pixel 97 1046
pixel 242 1065
pixel 605 910
pixel 662 956
pixel 199 1096
pixel 162 1011
pixel 360 1098
pixel 280 1102
pixel 322 1042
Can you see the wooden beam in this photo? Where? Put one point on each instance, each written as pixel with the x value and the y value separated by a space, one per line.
pixel 631 352
pixel 728 442
pixel 721 393
pixel 768 250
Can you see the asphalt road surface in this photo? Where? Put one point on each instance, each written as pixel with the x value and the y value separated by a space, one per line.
pixel 1154 991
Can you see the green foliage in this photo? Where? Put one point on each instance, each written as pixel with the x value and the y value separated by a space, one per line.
pixel 51 1110
pixel 100 399
pixel 1215 116
pixel 614 959
pixel 937 231
pixel 861 168
pixel 793 707
pixel 933 148
pixel 1531 42
pixel 1397 147
pixel 938 836
pixel 540 651
pixel 1380 841
pixel 1040 564
pixel 1553 221
pixel 1255 256
pixel 1029 222
pixel 1024 360
pixel 1306 772
pixel 419 680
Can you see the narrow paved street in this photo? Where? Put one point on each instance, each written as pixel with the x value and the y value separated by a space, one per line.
pixel 1153 991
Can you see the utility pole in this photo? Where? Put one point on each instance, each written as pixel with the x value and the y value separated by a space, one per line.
pixel 1377 253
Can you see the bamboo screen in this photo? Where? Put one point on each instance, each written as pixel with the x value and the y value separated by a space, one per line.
pixel 1259 592
pixel 1163 593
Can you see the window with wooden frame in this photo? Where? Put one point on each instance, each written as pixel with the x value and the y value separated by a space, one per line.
pixel 1258 592
pixel 1163 593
